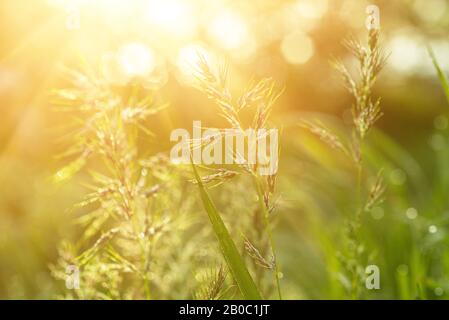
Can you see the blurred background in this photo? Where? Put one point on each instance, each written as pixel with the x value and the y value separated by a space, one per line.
pixel 290 41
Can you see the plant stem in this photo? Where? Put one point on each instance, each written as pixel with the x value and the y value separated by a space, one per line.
pixel 143 257
pixel 269 232
pixel 359 189
pixel 359 209
pixel 146 285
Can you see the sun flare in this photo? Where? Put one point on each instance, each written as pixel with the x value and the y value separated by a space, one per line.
pixel 224 150
pixel 188 57
pixel 229 30
pixel 136 59
pixel 176 17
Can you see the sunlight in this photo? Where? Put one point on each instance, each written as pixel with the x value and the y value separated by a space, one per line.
pixel 229 30
pixel 113 7
pixel 135 59
pixel 224 150
pixel 297 48
pixel 173 16
pixel 188 57
pixel 311 9
pixel 406 54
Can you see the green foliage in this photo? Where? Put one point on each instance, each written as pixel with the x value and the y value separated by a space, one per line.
pixel 234 260
pixel 347 195
pixel 441 75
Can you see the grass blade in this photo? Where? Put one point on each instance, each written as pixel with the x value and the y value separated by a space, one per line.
pixel 443 78
pixel 235 262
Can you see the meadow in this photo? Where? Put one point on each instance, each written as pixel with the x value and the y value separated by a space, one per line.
pixel 187 149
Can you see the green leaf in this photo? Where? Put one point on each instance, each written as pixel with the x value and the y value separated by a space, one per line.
pixel 443 78
pixel 233 259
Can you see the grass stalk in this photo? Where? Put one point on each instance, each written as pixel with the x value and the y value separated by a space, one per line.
pixel 441 75
pixel 269 233
pixel 233 259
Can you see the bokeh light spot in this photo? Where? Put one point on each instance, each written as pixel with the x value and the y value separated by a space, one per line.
pixel 173 16
pixel 229 30
pixel 311 9
pixel 297 48
pixel 411 213
pixel 136 59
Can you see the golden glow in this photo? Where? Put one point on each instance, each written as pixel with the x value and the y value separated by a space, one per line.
pixel 174 16
pixel 349 8
pixel 311 9
pixel 168 25
pixel 135 59
pixel 229 30
pixel 297 48
pixel 112 7
pixel 67 3
pixel 430 10
pixel 187 58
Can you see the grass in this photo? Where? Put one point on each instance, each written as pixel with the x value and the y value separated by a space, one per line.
pixel 122 221
pixel 345 197
pixel 365 113
pixel 441 75
pixel 234 260
pixel 263 95
pixel 363 153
